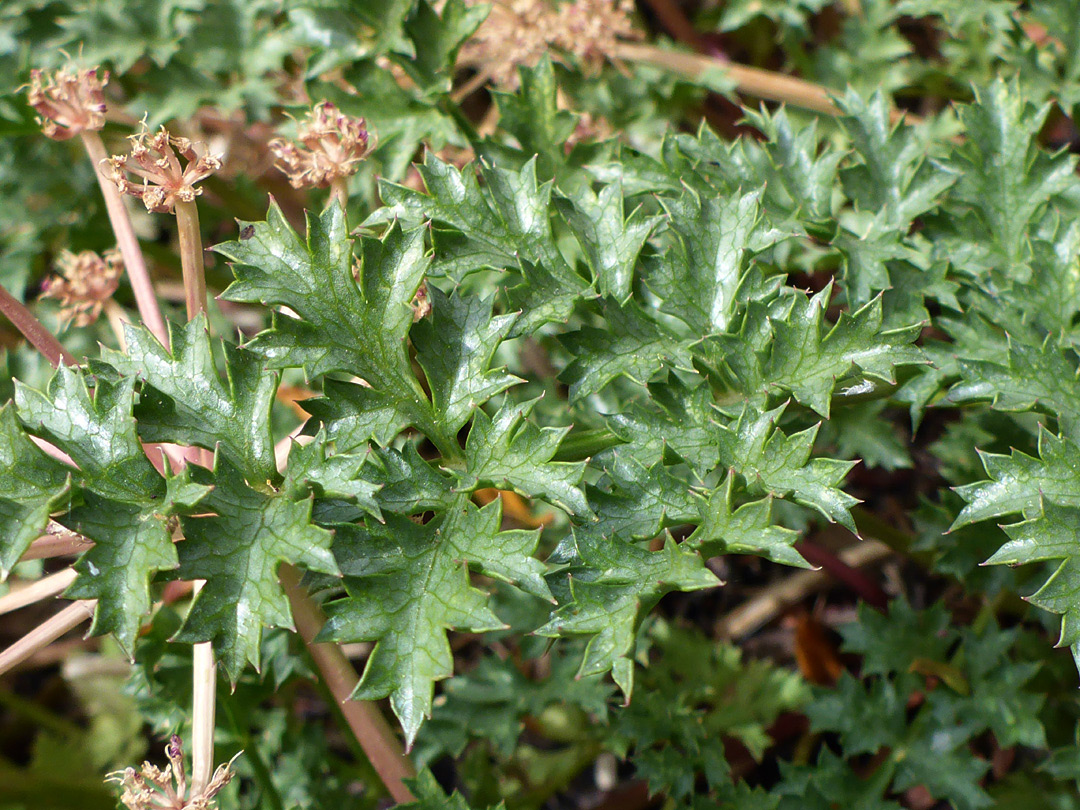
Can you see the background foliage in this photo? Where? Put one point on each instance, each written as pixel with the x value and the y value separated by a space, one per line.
pixel 689 342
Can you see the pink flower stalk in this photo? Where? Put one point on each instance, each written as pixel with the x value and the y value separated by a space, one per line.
pixel 165 182
pixel 68 102
pixel 333 146
pixel 85 283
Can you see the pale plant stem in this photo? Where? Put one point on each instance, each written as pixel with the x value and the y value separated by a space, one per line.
pixel 126 240
pixel 115 313
pixel 191 257
pixel 366 722
pixel 52 450
pixel 36 591
pixel 339 190
pixel 47 632
pixel 204 674
pixel 282 447
pixel 51 545
pixel 374 734
pixel 471 86
pixel 204 670
pixel 33 330
pixel 750 80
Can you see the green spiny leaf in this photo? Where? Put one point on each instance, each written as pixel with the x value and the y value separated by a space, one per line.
pixel 506 224
pixel 454 346
pixel 1006 178
pixel 780 465
pixel 408 583
pixel 1018 482
pixel 630 344
pixel 611 240
pixel 509 450
pixel 810 364
pixel 895 180
pixel 32 486
pixel 749 529
pixel 620 585
pixel 126 503
pixel 237 550
pixel 713 239
pixel 184 400
pixel 357 326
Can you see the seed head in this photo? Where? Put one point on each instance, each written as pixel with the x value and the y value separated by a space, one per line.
pixel 520 32
pixel 68 102
pixel 85 283
pixel 333 146
pixel 153 788
pixel 154 159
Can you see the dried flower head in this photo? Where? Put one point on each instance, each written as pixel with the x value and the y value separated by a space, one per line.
pixel 68 102
pixel 152 788
pixel 591 29
pixel 333 146
pixel 154 159
pixel 520 32
pixel 85 283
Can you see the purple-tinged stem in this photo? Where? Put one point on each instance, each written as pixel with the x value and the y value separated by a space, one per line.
pixel 126 240
pixel 34 331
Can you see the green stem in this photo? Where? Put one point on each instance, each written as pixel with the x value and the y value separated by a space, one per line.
pixel 582 445
pixel 468 131
pixel 870 525
pixel 270 796
pixel 39 716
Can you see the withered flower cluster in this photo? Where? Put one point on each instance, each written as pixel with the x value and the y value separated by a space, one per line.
pixel 85 283
pixel 333 146
pixel 153 788
pixel 68 102
pixel 520 32
pixel 165 181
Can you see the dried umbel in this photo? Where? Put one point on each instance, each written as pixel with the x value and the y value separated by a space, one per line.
pixel 333 146
pixel 85 283
pixel 68 102
pixel 154 159
pixel 520 32
pixel 153 788
pixel 590 29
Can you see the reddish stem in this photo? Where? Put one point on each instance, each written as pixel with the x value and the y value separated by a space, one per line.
pixel 866 588
pixel 34 331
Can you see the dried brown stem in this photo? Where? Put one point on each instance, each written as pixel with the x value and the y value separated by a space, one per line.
pixel 753 81
pixel 126 240
pixel 374 734
pixel 46 633
pixel 773 600
pixel 33 330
